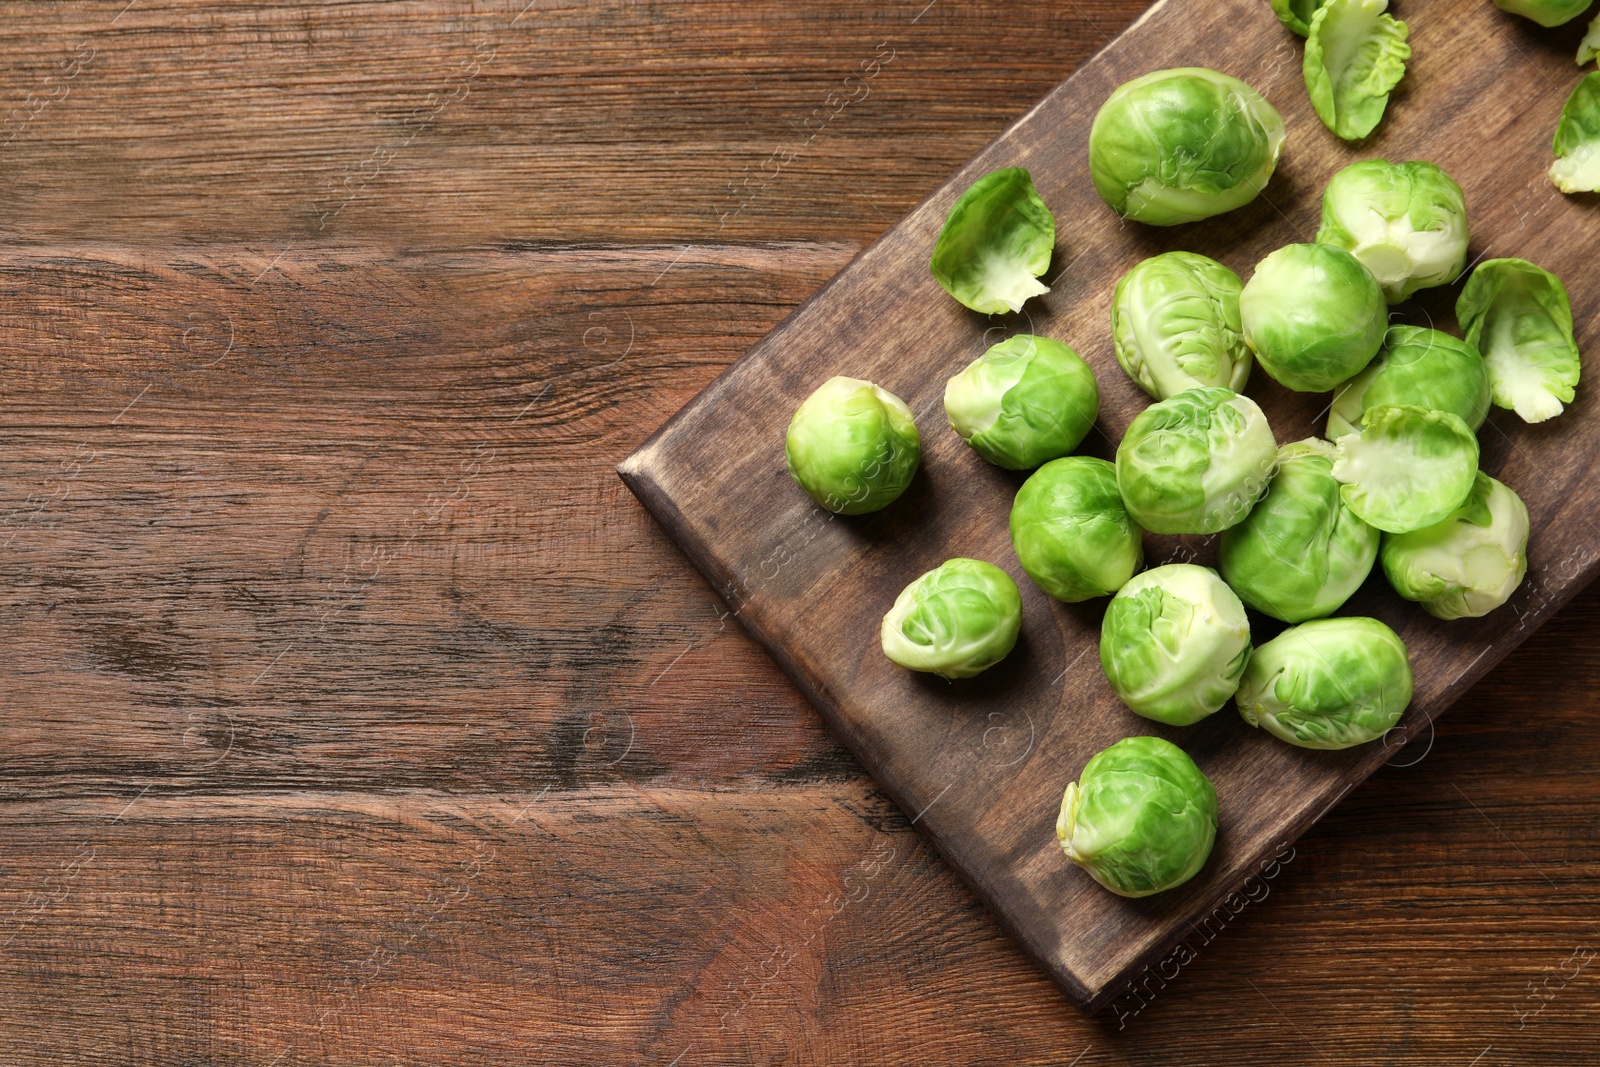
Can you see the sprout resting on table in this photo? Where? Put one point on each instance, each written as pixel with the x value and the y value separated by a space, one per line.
pixel 1313 315
pixel 1023 402
pixel 1174 642
pixel 1329 683
pixel 1175 324
pixel 1470 563
pixel 1420 367
pixel 1141 818
pixel 955 621
pixel 1071 532
pixel 1405 222
pixel 852 446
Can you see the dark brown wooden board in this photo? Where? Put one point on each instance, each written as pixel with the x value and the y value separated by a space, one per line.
pixel 979 766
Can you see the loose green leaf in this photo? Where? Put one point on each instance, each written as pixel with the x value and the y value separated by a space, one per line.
pixel 1175 324
pixel 1296 14
pixel 996 242
pixel 1024 401
pixel 1589 47
pixel 1408 467
pixel 1355 56
pixel 1577 143
pixel 1545 12
pixel 1141 817
pixel 1182 145
pixel 1519 317
pixel 955 621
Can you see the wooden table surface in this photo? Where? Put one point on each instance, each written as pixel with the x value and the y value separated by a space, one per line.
pixel 354 712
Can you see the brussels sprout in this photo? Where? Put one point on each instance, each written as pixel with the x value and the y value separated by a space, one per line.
pixel 1313 315
pixel 1026 400
pixel 1420 367
pixel 1175 321
pixel 1408 467
pixel 1297 14
pixel 995 243
pixel 852 446
pixel 1406 223
pixel 1545 12
pixel 1519 317
pixel 957 620
pixel 1330 683
pixel 1071 532
pixel 1182 145
pixel 1577 143
pixel 1470 563
pixel 1141 817
pixel 1174 642
pixel 1355 56
pixel 1300 552
pixel 1589 47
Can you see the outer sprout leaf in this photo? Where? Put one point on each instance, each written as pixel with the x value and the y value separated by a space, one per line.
pixel 1355 56
pixel 1577 141
pixel 995 243
pixel 1589 48
pixel 1545 12
pixel 1407 468
pixel 1519 317
pixel 1296 14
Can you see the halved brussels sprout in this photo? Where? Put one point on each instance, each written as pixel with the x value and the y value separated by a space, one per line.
pixel 1072 534
pixel 1196 462
pixel 996 241
pixel 1313 315
pixel 1141 817
pixel 1330 683
pixel 1024 401
pixel 1300 552
pixel 1406 223
pixel 1182 145
pixel 1408 467
pixel 1355 56
pixel 1545 12
pixel 1297 14
pixel 1577 143
pixel 852 446
pixel 1174 642
pixel 1420 367
pixel 1470 563
pixel 1175 322
pixel 1589 47
pixel 1519 317
pixel 957 620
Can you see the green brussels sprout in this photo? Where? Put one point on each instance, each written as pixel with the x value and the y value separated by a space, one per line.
pixel 1589 47
pixel 1297 14
pixel 1140 819
pixel 956 621
pixel 1196 462
pixel 1420 367
pixel 1072 534
pixel 1577 143
pixel 1519 317
pixel 852 446
pixel 1470 563
pixel 1355 56
pixel 1301 552
pixel 1545 12
pixel 1026 400
pixel 1175 321
pixel 1329 683
pixel 1407 468
pixel 1313 315
pixel 1183 145
pixel 1174 642
pixel 996 242
pixel 1405 222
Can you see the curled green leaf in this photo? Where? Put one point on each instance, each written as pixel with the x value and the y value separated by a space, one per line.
pixel 1545 12
pixel 1577 142
pixel 996 242
pixel 1297 14
pixel 1518 315
pixel 1589 47
pixel 1355 56
pixel 1408 467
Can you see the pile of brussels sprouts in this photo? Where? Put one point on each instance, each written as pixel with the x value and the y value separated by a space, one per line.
pixel 1395 478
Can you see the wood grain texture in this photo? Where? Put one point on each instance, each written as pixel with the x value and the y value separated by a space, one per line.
pixel 981 765
pixel 324 864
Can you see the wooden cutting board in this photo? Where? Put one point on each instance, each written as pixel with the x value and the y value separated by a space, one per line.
pixel 980 765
